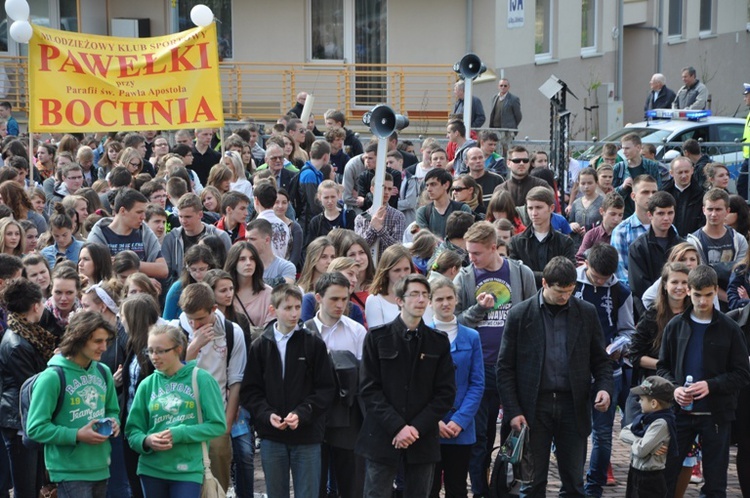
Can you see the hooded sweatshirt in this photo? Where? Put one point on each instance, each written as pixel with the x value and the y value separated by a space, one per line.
pixel 613 303
pixel 163 402
pixel 88 396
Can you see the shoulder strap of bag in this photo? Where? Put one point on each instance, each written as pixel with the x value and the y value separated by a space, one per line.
pixel 196 391
pixel 245 310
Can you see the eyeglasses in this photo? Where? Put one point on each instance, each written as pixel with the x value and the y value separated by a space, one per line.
pixel 135 165
pixel 520 160
pixel 158 352
pixel 276 158
pixel 459 189
pixel 202 269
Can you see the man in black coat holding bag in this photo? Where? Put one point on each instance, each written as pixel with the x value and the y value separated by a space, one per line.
pixel 407 386
pixel 552 346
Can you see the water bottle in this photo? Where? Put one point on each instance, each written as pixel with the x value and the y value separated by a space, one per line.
pixel 688 383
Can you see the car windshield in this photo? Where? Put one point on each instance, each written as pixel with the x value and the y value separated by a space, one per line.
pixel 648 135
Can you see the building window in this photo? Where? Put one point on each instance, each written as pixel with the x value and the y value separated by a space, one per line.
pixel 707 16
pixel 68 15
pixel 675 18
pixel 370 47
pixel 222 10
pixel 589 30
pixel 327 29
pixel 543 45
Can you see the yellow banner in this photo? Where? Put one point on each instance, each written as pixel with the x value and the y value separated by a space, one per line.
pixel 87 83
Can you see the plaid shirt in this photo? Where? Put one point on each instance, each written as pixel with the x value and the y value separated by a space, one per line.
pixel 623 235
pixel 391 233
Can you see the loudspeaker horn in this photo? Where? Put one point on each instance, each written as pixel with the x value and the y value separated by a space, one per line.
pixel 470 66
pixel 383 121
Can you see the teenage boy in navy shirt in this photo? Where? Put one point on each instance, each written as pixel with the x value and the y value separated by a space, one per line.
pixel 707 345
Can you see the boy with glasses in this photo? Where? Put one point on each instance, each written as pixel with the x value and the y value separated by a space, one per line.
pixel 407 386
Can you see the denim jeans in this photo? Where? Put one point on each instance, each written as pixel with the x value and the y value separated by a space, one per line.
pixel 602 424
pixel 243 450
pixel 555 420
pixel 26 465
pixel 82 489
pixel 715 447
pixel 118 486
pixel 485 422
pixel 379 480
pixel 164 488
pixel 302 459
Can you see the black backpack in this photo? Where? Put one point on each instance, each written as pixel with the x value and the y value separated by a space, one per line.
pixel 24 401
pixel 294 195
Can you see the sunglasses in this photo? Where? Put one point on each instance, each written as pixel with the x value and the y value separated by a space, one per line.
pixel 459 189
pixel 520 160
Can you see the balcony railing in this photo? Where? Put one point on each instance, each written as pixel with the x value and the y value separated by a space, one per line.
pixel 265 91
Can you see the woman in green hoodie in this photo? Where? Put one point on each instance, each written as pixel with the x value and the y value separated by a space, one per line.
pixel 163 422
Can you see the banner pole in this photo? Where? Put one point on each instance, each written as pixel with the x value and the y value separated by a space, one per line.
pixel 32 166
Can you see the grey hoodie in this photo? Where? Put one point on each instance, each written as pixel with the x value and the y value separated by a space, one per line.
pixel 470 313
pixel 173 248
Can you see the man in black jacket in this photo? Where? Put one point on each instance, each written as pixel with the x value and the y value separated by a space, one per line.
pixel 527 246
pixel 688 195
pixel 647 255
pixel 660 97
pixel 708 346
pixel 552 347
pixel 407 386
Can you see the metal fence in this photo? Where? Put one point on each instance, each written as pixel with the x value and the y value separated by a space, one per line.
pixel 264 91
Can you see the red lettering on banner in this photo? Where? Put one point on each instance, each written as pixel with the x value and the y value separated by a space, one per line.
pixel 164 112
pixel 150 61
pixel 110 113
pixel 51 109
pixel 98 117
pixel 204 110
pixel 181 63
pixel 48 52
pixel 139 113
pixel 127 62
pixel 71 61
pixel 71 112
pixel 96 64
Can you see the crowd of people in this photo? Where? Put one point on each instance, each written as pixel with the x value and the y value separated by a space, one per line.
pixel 161 295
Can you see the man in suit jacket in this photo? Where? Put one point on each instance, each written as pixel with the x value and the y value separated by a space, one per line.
pixel 506 113
pixel 275 161
pixel 552 346
pixel 660 97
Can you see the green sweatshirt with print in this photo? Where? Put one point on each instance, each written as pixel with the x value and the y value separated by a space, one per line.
pixel 163 402
pixel 88 396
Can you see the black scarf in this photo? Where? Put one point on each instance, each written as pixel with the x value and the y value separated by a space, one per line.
pixel 642 421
